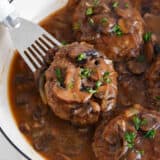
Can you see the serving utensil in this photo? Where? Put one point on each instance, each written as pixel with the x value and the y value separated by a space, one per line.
pixel 31 41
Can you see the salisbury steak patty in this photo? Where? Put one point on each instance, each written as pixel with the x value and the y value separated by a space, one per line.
pixel 80 84
pixel 113 26
pixel 134 135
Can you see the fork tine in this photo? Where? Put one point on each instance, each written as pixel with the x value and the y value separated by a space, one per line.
pixel 39 49
pixel 34 49
pixel 48 36
pixel 40 44
pixel 29 53
pixel 46 42
pixel 28 62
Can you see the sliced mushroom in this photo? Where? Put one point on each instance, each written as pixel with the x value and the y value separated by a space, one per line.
pixel 72 93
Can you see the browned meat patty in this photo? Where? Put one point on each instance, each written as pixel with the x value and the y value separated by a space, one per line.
pixel 134 135
pixel 80 84
pixel 153 81
pixel 115 27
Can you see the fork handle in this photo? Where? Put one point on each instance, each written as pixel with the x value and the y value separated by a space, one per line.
pixel 8 14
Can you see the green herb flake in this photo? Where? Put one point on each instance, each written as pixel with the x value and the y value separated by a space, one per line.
pixel 64 43
pixel 91 21
pixel 108 80
pixel 138 122
pixel 85 72
pixel 147 36
pixel 70 85
pixel 104 20
pixel 129 138
pixel 141 152
pixel 144 122
pixel 81 57
pixel 91 91
pixel 76 26
pixel 115 4
pixel 106 77
pixel 150 134
pixel 89 11
pixel 158 98
pixel 59 75
pixel 117 30
pixel 98 84
pixel 106 74
pixel 95 2
pixel 141 58
pixel 126 5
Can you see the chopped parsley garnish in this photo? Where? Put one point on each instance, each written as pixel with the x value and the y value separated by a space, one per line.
pixel 108 80
pixel 70 85
pixel 106 77
pixel 104 20
pixel 59 75
pixel 91 21
pixel 64 43
pixel 95 2
pixel 89 11
pixel 129 138
pixel 81 57
pixel 76 26
pixel 150 134
pixel 147 36
pixel 141 58
pixel 141 152
pixel 117 30
pixel 143 122
pixel 91 90
pixel 138 122
pixel 126 5
pixel 85 72
pixel 98 84
pixel 106 74
pixel 158 98
pixel 115 4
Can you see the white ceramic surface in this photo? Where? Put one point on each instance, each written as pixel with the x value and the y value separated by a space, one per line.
pixel 34 10
pixel 7 152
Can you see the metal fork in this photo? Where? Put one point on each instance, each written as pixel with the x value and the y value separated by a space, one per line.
pixel 29 39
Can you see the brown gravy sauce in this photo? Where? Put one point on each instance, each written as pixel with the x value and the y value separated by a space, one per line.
pixel 49 135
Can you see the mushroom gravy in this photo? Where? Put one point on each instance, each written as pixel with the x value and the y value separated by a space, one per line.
pixel 57 139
